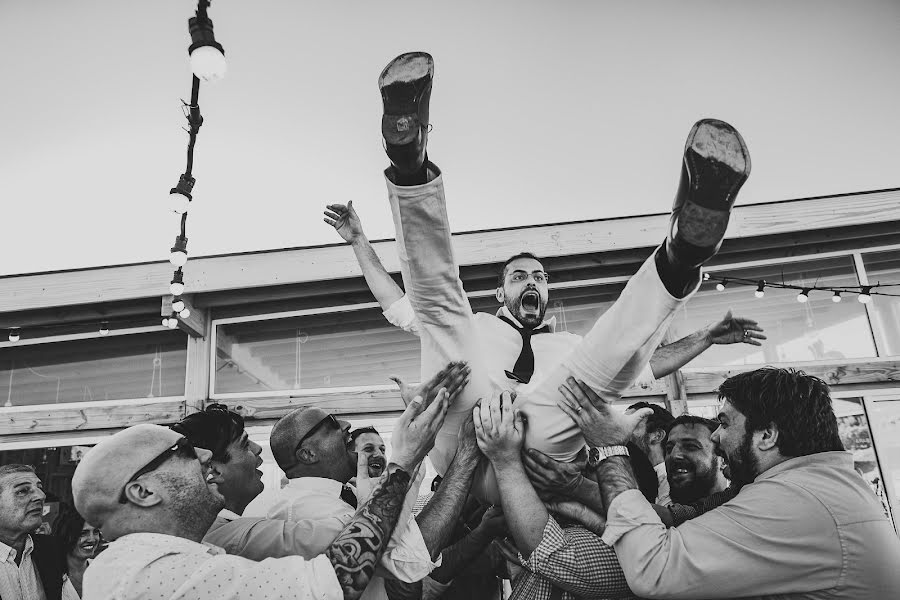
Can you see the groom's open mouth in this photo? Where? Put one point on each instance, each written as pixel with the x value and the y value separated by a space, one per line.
pixel 531 301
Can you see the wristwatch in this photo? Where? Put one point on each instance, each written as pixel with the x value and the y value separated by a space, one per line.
pixel 597 454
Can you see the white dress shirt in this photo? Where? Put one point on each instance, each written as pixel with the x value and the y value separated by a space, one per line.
pixel 19 582
pixel 153 566
pixel 406 556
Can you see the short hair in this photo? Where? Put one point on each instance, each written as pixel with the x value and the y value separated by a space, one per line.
pixel 799 405
pixel 661 419
pixel 644 473
pixel 687 419
pixel 14 468
pixel 501 276
pixel 68 526
pixel 358 432
pixel 214 429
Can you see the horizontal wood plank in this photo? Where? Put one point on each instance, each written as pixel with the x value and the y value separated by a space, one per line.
pixel 94 415
pixel 297 265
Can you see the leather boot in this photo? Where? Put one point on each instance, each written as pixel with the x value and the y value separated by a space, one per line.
pixel 405 85
pixel 716 164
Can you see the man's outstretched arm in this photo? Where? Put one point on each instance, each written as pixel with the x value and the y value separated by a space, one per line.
pixel 346 222
pixel 730 330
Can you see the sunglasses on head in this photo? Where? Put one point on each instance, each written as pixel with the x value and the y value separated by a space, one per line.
pixel 182 448
pixel 328 421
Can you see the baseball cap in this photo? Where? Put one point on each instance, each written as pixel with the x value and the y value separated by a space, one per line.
pixel 107 467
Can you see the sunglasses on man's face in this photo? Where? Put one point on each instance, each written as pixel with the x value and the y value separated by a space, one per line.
pixel 328 422
pixel 182 449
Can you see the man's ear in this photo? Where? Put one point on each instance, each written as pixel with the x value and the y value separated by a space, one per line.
pixel 768 438
pixel 305 456
pixel 139 493
pixel 657 436
pixel 499 294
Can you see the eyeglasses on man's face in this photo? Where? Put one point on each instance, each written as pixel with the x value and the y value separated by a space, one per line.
pixel 328 422
pixel 182 449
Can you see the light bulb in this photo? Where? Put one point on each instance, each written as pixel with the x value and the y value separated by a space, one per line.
pixel 14 335
pixel 104 329
pixel 178 305
pixel 705 276
pixel 721 286
pixel 184 313
pixel 803 296
pixel 176 286
pixel 760 289
pixel 759 293
pixel 178 202
pixel 864 296
pixel 165 321
pixel 836 298
pixel 178 255
pixel 208 63
pixel 173 322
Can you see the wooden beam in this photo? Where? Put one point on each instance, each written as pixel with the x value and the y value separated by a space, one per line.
pixel 324 263
pixel 195 324
pixel 88 415
pixel 196 382
pixel 676 391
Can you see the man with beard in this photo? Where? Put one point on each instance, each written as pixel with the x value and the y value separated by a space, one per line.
pixel 499 348
pixel 694 470
pixel 151 493
pixel 32 565
pixel 804 524
pixel 367 441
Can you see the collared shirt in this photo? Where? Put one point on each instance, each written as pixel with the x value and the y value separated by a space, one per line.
pixel 574 562
pixel 505 344
pixel 808 527
pixel 259 538
pixel 317 500
pixel 19 582
pixel 662 478
pixel 153 566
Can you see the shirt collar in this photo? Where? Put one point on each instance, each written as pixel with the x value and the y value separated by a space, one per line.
pixel 8 553
pixel 323 485
pixel 228 515
pixel 836 459
pixel 173 543
pixel 661 469
pixel 549 323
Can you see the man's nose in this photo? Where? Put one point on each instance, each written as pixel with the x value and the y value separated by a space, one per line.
pixel 40 494
pixel 255 448
pixel 203 455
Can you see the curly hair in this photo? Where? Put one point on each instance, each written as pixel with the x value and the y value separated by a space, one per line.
pixel 797 404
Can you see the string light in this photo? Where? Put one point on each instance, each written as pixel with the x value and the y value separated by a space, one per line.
pixel 184 313
pixel 803 296
pixel 165 321
pixel 176 286
pixel 172 322
pixel 14 335
pixel 721 285
pixel 180 195
pixel 760 289
pixel 705 276
pixel 206 55
pixel 178 305
pixel 865 295
pixel 178 255
pixel 104 328
pixel 836 298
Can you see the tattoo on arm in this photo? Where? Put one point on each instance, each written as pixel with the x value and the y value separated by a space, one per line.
pixel 615 476
pixel 356 550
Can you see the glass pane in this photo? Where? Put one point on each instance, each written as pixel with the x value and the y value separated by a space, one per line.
pixel 884 311
pixel 816 330
pixel 853 428
pixel 118 367
pixel 884 414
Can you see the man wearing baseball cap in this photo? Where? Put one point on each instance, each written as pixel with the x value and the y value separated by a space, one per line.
pixel 146 488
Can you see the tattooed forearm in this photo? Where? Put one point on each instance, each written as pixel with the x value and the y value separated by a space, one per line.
pixel 615 476
pixel 356 550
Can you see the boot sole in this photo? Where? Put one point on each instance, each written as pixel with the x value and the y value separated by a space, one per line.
pixel 401 84
pixel 718 164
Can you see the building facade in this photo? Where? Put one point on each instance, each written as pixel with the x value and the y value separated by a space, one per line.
pixel 270 331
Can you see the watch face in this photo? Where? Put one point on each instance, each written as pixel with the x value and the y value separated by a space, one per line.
pixel 593 456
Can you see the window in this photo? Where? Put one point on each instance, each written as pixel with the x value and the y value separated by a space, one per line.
pixel 884 311
pixel 150 365
pixel 815 330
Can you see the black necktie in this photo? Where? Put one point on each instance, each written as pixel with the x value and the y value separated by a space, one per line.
pixel 524 367
pixel 348 496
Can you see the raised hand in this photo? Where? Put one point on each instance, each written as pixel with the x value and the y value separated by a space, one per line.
pixel 499 428
pixel 344 220
pixel 734 330
pixel 599 423
pixel 454 377
pixel 552 476
pixel 575 511
pixel 416 429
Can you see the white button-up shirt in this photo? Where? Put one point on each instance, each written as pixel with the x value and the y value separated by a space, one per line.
pixel 19 582
pixel 317 499
pixel 153 566
pixel 663 497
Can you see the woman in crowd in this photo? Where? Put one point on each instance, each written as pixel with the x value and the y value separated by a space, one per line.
pixel 80 541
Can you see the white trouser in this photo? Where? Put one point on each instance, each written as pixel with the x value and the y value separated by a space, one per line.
pixel 608 359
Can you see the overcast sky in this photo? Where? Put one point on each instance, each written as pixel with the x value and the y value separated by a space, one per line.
pixel 542 112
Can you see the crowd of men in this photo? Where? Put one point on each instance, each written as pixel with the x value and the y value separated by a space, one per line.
pixel 547 490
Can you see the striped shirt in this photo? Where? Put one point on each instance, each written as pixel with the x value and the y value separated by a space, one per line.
pixel 19 582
